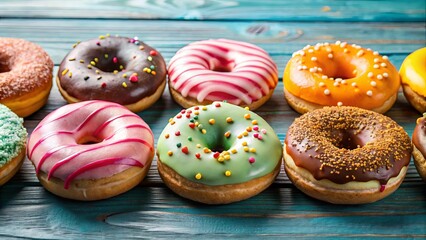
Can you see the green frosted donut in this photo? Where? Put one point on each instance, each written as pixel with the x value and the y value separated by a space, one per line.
pixel 12 135
pixel 219 144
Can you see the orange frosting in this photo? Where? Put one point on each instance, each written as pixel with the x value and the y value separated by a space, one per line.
pixel 341 74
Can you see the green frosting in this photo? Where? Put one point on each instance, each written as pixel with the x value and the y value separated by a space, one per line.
pixel 13 135
pixel 219 151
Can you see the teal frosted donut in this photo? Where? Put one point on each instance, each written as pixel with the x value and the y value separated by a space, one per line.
pixel 13 137
pixel 219 153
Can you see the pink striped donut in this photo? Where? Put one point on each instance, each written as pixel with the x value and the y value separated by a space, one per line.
pixel 91 150
pixel 216 70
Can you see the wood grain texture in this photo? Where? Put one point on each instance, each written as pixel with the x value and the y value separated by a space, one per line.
pixel 394 28
pixel 270 10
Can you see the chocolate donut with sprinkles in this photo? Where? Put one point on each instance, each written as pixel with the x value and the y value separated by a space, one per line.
pixel 218 154
pixel 346 155
pixel 116 69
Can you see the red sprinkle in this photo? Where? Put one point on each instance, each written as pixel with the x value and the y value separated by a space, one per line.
pixel 98 43
pixel 183 111
pixel 217 105
pixel 179 116
pixel 153 53
pixel 256 135
pixel 133 78
pixel 252 160
pixel 185 150
pixel 196 108
pixel 198 155
pixel 382 188
pixel 256 128
pixel 188 115
pixel 177 133
pixel 103 85
pixel 191 125
pixel 216 154
pixel 115 60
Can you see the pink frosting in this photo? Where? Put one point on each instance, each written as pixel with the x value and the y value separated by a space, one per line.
pixel 118 139
pixel 223 69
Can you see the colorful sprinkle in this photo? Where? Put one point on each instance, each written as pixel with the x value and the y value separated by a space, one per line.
pixel 227 134
pixel 228 173
pixel 190 139
pixel 133 78
pixel 252 160
pixel 252 150
pixel 167 135
pixel 86 78
pixel 153 53
pixel 212 121
pixel 185 150
pixel 254 122
pixel 229 120
pixel 216 154
pixel 177 133
pixel 198 176
pixel 149 58
pixel 124 84
pixel 179 145
pixel 103 85
pixel 247 116
pixel 170 153
pixel 115 60
pixel 65 71
pixel 198 155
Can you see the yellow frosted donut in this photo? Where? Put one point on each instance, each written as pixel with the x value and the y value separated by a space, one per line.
pixel 413 77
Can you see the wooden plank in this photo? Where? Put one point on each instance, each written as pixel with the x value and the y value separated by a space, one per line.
pixel 396 40
pixel 31 212
pixel 269 10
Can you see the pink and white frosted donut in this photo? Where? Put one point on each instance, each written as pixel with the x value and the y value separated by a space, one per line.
pixel 216 70
pixel 91 150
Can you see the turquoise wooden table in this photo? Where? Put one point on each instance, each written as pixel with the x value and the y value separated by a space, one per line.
pixel 394 28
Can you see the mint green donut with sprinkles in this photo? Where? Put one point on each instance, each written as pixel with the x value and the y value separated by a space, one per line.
pixel 13 137
pixel 219 150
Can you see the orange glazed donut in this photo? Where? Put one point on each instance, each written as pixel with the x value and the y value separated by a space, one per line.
pixel 222 70
pixel 25 76
pixel 340 74
pixel 91 150
pixel 346 155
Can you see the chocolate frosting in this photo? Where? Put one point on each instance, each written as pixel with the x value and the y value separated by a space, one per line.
pixel 419 135
pixel 87 72
pixel 344 144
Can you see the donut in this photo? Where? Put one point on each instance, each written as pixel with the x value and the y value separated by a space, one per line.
pixel 25 76
pixel 346 155
pixel 13 138
pixel 91 150
pixel 413 79
pixel 116 69
pixel 419 146
pixel 222 70
pixel 218 154
pixel 340 74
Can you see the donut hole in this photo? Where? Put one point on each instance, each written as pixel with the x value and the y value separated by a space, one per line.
pixel 88 140
pixel 347 139
pixel 222 66
pixel 109 65
pixel 218 148
pixel 343 71
pixel 4 67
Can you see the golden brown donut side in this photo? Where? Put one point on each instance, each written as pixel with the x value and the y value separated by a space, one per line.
pixel 419 142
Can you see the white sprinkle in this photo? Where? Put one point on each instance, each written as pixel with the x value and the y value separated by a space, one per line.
pixel 373 83
pixel 343 44
pixel 314 59
pixel 353 84
pixel 370 74
pixel 324 77
pixel 300 68
pixel 338 79
pixel 328 49
pixel 306 47
pixel 304 67
pixel 327 92
pixel 316 48
pixel 330 55
pixel 338 42
pixel 385 75
pixel 369 93
pixel 345 50
pixel 311 50
pixel 376 60
pixel 357 46
pixel 326 44
pixel 369 49
pixel 375 53
pixel 360 53
pixel 313 70
pixel 336 84
pixel 343 82
pixel 385 57
pixel 319 69
pixel 339 104
pixel 354 71
pixel 302 53
pixel 376 66
pixel 379 76
pixel 321 84
pixel 383 65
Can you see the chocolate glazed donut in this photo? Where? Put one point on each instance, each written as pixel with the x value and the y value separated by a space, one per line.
pixel 346 155
pixel 117 69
